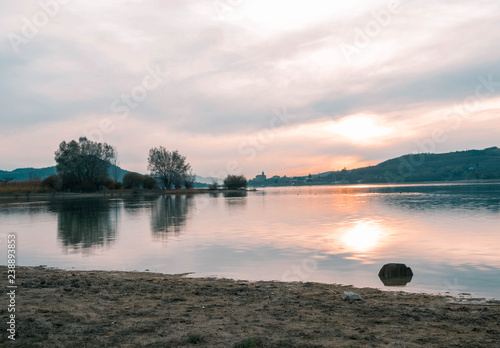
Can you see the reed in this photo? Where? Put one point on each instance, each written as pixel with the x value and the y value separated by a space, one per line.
pixel 23 187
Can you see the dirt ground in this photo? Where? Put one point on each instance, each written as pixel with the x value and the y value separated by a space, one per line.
pixel 56 308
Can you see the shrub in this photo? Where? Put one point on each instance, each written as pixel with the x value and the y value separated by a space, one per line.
pixel 53 182
pixel 149 183
pixel 189 180
pixel 132 180
pixel 214 185
pixel 235 182
pixel 109 184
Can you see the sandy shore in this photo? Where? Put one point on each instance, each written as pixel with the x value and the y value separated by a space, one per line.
pixel 56 308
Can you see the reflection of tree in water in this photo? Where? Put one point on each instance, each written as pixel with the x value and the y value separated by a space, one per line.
pixel 169 214
pixel 134 204
pixel 84 223
pixel 235 199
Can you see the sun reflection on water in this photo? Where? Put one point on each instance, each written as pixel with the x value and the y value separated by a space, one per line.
pixel 362 237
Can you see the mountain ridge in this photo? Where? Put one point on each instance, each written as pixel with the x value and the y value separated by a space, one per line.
pixel 27 173
pixel 421 167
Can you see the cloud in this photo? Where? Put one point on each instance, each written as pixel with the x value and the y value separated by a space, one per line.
pixel 223 75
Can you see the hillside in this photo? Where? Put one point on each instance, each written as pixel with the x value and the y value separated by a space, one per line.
pixel 452 166
pixel 21 174
pixel 460 165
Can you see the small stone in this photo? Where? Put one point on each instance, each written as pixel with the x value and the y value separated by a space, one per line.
pixel 351 296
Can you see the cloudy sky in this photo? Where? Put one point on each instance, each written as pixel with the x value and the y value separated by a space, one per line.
pixel 288 87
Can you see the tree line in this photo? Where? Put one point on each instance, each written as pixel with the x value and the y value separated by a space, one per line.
pixel 84 165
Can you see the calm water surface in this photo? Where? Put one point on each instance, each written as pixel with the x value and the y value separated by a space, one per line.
pixel 448 234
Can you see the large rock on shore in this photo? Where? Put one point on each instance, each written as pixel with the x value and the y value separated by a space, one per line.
pixel 395 274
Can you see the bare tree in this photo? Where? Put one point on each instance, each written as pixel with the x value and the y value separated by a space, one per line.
pixel 170 168
pixel 189 180
pixel 114 166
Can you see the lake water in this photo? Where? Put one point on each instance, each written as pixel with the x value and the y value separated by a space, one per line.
pixel 448 234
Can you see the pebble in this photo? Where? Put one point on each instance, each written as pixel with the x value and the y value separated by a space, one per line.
pixel 351 296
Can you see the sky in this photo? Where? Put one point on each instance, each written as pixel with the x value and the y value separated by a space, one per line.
pixel 244 86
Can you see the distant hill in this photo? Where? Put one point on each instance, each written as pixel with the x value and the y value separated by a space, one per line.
pixel 28 173
pixel 21 174
pixel 42 173
pixel 208 180
pixel 452 166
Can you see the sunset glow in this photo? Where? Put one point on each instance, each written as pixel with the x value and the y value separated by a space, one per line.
pixel 285 87
pixel 359 128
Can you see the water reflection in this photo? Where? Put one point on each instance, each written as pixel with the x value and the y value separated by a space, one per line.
pixel 86 223
pixel 397 281
pixel 362 236
pixel 452 197
pixel 169 214
pixel 133 205
pixel 441 232
pixel 235 199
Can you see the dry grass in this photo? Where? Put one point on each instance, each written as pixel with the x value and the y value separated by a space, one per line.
pixel 23 187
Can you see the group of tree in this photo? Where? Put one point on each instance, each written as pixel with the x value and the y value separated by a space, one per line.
pixel 84 165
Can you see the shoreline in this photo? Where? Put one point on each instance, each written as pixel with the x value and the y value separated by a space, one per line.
pixel 129 309
pixel 42 196
pixel 395 184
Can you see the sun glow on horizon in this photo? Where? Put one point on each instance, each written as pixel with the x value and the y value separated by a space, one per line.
pixel 359 128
